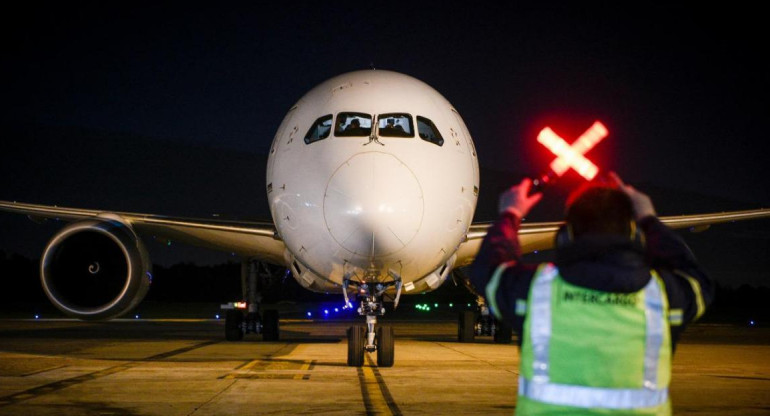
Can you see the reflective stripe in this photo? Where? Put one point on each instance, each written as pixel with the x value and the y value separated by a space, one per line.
pixel 540 328
pixel 541 389
pixel 699 303
pixel 491 289
pixel 521 307
pixel 653 300
pixel 675 316
pixel 591 397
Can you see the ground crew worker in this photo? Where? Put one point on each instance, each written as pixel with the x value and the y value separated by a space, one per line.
pixel 597 328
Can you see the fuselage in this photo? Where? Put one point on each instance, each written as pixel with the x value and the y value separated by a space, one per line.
pixel 372 175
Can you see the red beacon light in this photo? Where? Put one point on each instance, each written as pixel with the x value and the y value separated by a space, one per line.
pixel 569 156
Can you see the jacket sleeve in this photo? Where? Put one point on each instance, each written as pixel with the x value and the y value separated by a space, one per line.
pixel 690 290
pixel 502 290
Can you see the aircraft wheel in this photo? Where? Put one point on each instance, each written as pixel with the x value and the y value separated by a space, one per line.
pixel 356 340
pixel 503 333
pixel 270 331
pixel 466 327
pixel 385 346
pixel 233 321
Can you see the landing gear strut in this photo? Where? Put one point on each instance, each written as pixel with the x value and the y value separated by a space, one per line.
pixel 371 338
pixel 244 317
pixel 482 322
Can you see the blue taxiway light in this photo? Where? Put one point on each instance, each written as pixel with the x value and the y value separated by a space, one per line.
pixel 309 314
pixel 37 316
pixel 216 316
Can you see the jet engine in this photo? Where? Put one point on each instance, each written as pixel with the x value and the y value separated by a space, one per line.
pixel 96 269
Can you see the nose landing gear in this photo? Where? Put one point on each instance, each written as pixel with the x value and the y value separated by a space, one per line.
pixel 371 338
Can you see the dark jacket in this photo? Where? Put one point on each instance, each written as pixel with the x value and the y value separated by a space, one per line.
pixel 606 263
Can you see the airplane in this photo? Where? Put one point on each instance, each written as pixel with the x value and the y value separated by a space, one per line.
pixel 372 183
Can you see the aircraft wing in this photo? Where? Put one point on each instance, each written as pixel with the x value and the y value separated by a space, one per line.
pixel 247 239
pixel 540 236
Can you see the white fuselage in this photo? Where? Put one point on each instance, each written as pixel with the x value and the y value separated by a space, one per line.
pixel 372 205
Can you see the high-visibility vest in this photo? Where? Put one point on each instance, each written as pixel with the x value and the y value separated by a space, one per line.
pixel 589 352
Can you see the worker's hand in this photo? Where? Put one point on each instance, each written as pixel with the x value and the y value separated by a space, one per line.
pixel 516 199
pixel 640 201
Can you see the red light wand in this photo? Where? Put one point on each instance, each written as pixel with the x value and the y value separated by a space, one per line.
pixel 569 156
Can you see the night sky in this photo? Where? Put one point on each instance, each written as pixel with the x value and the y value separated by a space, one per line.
pixel 682 88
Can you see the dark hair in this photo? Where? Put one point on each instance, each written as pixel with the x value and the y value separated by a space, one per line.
pixel 599 209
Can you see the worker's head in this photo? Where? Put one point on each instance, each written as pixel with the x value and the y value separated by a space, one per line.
pixel 599 209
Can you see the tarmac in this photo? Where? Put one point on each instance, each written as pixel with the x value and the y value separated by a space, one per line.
pixel 185 367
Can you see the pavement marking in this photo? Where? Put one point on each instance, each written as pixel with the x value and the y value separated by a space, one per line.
pixel 258 368
pixel 58 385
pixel 182 350
pixel 267 368
pixel 374 392
pixel 309 369
pixel 32 373
pixel 61 384
pixel 247 366
pixel 303 369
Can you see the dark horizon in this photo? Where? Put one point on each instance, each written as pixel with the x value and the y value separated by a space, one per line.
pixel 102 174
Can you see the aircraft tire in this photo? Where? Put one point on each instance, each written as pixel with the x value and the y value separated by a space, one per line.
pixel 356 340
pixel 385 346
pixel 466 326
pixel 503 333
pixel 233 320
pixel 270 329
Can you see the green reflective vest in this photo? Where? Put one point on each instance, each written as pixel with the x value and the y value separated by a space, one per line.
pixel 589 352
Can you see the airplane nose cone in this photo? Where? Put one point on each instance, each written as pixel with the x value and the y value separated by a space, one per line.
pixel 373 205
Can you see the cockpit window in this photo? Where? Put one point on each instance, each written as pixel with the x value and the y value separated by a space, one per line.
pixel 319 130
pixel 353 124
pixel 395 125
pixel 428 131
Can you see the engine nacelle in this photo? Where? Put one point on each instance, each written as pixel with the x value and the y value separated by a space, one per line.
pixel 95 269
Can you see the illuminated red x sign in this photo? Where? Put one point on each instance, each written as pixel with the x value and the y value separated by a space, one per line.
pixel 572 156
